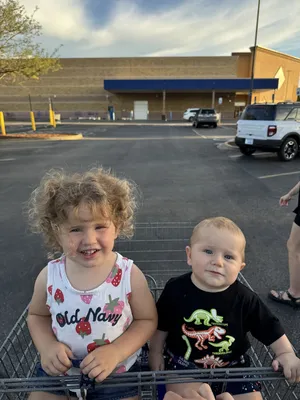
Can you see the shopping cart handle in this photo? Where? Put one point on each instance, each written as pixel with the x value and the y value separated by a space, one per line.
pixel 86 382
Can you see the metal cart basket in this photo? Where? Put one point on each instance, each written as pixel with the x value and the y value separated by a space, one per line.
pixel 159 250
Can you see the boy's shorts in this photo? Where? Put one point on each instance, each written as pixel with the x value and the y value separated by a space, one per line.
pixel 99 392
pixel 234 388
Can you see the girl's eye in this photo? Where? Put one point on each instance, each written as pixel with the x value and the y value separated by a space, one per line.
pixel 228 257
pixel 100 227
pixel 207 251
pixel 75 230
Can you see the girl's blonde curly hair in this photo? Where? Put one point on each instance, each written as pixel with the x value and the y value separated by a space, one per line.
pixel 58 192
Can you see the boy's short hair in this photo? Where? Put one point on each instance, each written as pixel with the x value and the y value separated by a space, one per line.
pixel 58 192
pixel 219 223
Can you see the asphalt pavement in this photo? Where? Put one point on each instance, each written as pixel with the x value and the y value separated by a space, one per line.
pixel 183 175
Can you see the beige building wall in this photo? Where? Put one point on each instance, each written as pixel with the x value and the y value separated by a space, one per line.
pixel 79 85
pixel 272 64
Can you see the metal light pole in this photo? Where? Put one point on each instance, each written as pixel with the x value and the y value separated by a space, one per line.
pixel 254 54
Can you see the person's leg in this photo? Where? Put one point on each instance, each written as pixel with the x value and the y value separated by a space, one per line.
pixel 182 388
pixel 248 396
pixel 293 246
pixel 45 396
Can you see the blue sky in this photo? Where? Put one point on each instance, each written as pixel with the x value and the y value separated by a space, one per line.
pixel 133 28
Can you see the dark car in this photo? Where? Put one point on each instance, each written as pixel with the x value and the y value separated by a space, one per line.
pixel 206 116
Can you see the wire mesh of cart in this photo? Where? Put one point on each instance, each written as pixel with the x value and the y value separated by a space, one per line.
pixel 159 250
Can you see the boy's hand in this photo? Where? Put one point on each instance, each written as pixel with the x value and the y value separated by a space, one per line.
pixel 55 360
pixel 204 393
pixel 290 364
pixel 156 361
pixel 284 200
pixel 101 362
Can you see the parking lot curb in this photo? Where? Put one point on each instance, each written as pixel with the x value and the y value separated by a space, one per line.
pixel 43 136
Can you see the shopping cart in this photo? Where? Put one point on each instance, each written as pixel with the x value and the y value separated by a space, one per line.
pixel 159 250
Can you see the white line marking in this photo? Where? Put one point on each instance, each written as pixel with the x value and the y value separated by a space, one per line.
pixel 254 155
pixel 198 134
pixel 275 175
pixel 7 159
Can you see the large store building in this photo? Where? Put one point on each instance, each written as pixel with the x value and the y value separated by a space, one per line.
pixel 149 87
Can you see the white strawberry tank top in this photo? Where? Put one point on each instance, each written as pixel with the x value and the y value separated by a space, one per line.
pixel 87 320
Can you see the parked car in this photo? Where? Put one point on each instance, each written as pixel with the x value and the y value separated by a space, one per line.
pixel 206 116
pixel 189 114
pixel 270 127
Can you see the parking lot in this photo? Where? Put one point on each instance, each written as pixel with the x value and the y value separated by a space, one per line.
pixel 185 174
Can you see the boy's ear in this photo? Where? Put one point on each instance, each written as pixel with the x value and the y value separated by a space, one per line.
pixel 188 255
pixel 243 266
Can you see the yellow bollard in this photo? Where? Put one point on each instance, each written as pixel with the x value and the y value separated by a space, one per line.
pixel 53 119
pixel 51 115
pixel 2 123
pixel 32 121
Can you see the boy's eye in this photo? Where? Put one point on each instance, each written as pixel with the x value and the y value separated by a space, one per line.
pixel 207 251
pixel 100 227
pixel 228 257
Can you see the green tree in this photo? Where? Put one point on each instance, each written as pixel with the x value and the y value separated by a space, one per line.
pixel 21 57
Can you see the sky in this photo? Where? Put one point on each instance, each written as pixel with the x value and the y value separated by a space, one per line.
pixel 141 28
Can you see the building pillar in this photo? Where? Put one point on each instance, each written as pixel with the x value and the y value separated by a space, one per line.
pixel 163 117
pixel 213 99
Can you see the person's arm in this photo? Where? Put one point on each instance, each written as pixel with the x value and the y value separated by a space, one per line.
pixel 294 190
pixel 39 317
pixel 55 356
pixel 286 358
pixel 157 343
pixel 284 200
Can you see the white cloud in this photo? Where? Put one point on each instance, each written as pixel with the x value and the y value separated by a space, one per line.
pixel 196 27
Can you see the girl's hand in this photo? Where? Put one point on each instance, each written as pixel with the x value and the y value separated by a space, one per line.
pixel 55 360
pixel 284 200
pixel 101 362
pixel 204 393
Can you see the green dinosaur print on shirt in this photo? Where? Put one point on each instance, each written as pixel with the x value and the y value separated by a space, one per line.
pixel 206 316
pixel 224 345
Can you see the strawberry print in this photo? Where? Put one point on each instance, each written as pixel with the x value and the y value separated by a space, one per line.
pixel 126 325
pixel 86 298
pixel 54 330
pixel 50 289
pixel 97 343
pixel 59 296
pixel 115 276
pixel 49 309
pixel 121 369
pixel 114 306
pixel 83 328
pixel 128 295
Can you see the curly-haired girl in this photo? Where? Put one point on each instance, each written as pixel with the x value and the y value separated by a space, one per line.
pixel 86 310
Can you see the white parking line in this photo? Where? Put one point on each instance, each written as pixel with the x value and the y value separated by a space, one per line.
pixel 275 175
pixel 198 134
pixel 254 155
pixel 7 159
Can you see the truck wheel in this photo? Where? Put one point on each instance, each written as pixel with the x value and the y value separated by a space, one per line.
pixel 288 150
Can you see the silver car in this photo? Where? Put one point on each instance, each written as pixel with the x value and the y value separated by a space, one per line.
pixel 206 116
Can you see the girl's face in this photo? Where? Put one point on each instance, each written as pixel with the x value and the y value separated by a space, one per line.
pixel 86 240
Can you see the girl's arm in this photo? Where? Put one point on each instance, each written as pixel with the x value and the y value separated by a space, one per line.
pixel 294 190
pixel 144 317
pixel 39 317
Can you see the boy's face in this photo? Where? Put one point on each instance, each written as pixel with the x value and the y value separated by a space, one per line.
pixel 216 258
pixel 86 240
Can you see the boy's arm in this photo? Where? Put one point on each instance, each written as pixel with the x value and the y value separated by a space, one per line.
pixel 144 317
pixel 286 358
pixel 282 346
pixel 157 341
pixel 39 318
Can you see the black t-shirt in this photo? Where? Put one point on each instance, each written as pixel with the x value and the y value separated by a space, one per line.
pixel 213 325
